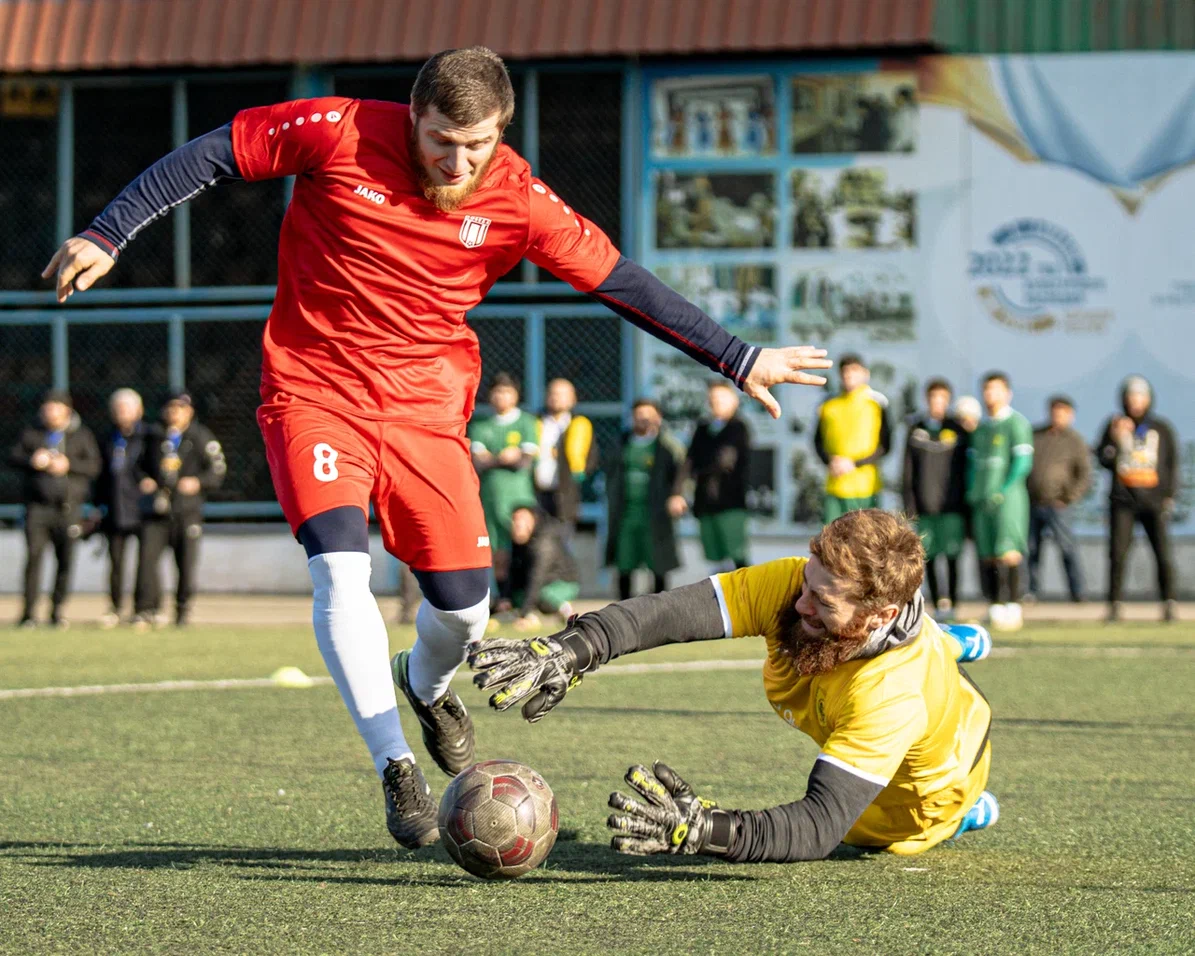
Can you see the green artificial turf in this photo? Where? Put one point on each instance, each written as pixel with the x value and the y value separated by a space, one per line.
pixel 251 821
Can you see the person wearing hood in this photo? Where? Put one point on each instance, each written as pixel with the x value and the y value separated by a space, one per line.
pixel 1141 451
pixel 853 661
pixel 59 458
pixel 182 463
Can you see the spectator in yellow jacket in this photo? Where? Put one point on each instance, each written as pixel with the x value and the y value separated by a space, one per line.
pixel 852 436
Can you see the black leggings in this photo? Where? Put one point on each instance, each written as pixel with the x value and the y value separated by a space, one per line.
pixel 1120 541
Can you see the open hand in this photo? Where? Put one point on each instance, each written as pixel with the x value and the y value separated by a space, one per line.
pixel 777 366
pixel 673 820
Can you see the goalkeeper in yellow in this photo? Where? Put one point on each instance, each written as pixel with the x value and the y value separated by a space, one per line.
pixel 853 661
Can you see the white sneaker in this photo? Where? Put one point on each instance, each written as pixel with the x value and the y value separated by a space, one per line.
pixel 945 610
pixel 1016 617
pixel 109 620
pixel 997 616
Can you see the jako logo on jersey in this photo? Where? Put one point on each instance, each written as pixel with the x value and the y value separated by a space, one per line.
pixel 371 194
pixel 483 541
pixel 473 231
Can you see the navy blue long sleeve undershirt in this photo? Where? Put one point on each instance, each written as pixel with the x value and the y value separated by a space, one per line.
pixel 649 304
pixel 178 176
pixel 629 290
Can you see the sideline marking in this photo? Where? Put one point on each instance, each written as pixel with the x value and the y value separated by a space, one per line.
pixel 250 683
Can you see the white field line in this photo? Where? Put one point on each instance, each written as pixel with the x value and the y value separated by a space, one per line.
pixel 248 683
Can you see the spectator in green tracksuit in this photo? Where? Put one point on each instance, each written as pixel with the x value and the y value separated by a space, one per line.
pixel 643 491
pixel 999 461
pixel 504 448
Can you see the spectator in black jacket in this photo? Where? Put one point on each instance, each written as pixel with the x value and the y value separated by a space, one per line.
pixel 543 574
pixel 718 460
pixel 1061 475
pixel 1140 450
pixel 934 489
pixel 182 463
pixel 117 490
pixel 59 458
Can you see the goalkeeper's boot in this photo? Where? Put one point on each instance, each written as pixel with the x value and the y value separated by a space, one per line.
pixel 974 640
pixel 410 809
pixel 447 726
pixel 982 815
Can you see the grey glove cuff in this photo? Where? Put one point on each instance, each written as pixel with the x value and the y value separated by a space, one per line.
pixel 721 835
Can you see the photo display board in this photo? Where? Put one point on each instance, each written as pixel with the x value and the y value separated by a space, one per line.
pixel 941 216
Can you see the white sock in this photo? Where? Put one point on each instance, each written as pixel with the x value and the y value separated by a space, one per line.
pixel 441 645
pixel 352 638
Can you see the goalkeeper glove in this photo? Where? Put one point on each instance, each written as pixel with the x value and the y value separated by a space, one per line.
pixel 539 671
pixel 674 819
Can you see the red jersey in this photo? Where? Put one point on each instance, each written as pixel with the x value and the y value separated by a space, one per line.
pixel 374 282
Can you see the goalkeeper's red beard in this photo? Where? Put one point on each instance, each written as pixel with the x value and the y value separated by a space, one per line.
pixel 445 198
pixel 814 651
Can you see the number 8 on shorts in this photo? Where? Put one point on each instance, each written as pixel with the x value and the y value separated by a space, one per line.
pixel 325 462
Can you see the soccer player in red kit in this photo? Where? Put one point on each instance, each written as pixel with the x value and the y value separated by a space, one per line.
pixel 402 219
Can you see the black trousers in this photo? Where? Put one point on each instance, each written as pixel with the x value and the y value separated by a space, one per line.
pixel 1121 519
pixel 45 526
pixel 119 542
pixel 181 534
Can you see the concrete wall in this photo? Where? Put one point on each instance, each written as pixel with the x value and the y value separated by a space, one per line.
pixel 264 558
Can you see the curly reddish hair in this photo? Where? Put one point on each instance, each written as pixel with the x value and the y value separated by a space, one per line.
pixel 879 553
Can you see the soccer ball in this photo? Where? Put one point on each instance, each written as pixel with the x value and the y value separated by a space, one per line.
pixel 498 819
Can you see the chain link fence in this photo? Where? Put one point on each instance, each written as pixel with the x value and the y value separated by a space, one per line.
pixel 223 370
pixel 234 227
pixel 119 133
pixel 106 357
pixel 28 181
pixel 25 374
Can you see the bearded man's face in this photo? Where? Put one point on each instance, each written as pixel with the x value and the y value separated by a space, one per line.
pixel 825 626
pixel 452 160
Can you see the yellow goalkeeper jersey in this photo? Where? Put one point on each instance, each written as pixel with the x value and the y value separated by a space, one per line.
pixel 908 719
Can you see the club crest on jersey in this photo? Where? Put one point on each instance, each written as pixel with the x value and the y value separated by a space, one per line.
pixel 473 231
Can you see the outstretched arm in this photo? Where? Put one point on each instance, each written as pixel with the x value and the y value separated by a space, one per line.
pixel 172 180
pixel 671 818
pixel 541 671
pixel 576 250
pixel 646 302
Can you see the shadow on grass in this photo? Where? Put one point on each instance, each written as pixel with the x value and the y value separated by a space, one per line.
pixel 152 856
pixel 571 862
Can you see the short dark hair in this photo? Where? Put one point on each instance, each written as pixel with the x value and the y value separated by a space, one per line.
pixel 466 85
pixel 650 403
pixel 504 380
pixel 938 385
pixel 998 377
pixel 1060 400
pixel 851 358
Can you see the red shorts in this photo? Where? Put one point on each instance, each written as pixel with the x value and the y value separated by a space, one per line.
pixel 420 479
